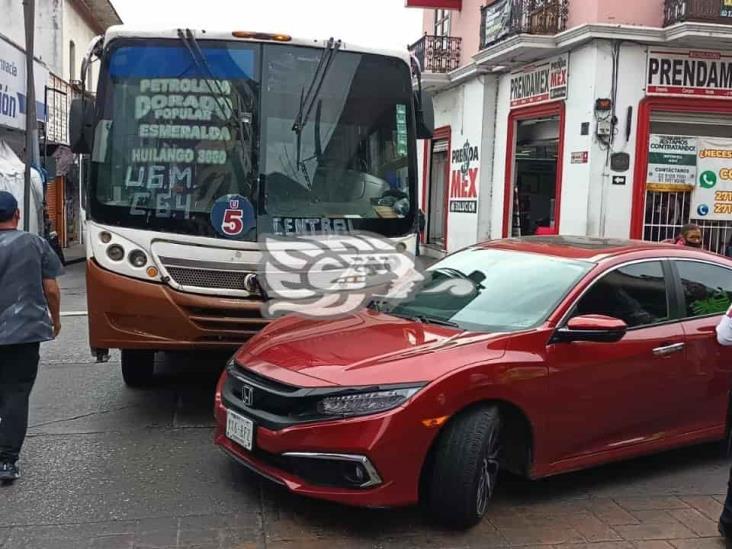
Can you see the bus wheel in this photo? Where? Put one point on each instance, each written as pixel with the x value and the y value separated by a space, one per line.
pixel 138 367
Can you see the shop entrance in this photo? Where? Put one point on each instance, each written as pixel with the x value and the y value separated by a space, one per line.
pixel 670 154
pixel 535 188
pixel 437 192
pixel 532 192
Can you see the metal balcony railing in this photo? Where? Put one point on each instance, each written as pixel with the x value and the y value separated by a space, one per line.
pixel 703 11
pixel 505 18
pixel 439 54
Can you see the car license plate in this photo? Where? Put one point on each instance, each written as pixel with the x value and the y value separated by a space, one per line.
pixel 240 429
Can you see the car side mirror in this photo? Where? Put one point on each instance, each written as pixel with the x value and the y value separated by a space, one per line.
pixel 425 113
pixel 596 328
pixel 81 126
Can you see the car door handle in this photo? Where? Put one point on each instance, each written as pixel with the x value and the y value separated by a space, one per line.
pixel 669 349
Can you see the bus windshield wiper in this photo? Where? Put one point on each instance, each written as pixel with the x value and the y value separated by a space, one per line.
pixel 227 107
pixel 309 98
pixel 189 41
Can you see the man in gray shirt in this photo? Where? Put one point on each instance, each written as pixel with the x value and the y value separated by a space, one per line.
pixel 29 314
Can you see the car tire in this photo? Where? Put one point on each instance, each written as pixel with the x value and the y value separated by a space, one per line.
pixel 464 468
pixel 138 367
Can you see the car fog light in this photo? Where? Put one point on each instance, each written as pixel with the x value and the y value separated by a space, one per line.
pixel 116 252
pixel 355 474
pixel 138 258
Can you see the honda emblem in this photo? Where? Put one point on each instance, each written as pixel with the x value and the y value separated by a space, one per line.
pixel 247 395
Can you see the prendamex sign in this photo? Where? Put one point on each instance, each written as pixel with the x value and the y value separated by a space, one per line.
pixel 464 180
pixel 689 73
pixel 540 82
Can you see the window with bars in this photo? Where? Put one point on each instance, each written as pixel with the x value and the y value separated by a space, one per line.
pixel 666 212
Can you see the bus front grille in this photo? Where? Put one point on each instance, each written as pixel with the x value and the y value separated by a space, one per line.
pixel 210 279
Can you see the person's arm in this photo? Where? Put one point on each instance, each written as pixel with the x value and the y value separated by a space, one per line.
pixel 53 297
pixel 724 329
pixel 51 269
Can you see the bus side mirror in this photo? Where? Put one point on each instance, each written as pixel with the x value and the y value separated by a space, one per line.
pixel 81 126
pixel 425 112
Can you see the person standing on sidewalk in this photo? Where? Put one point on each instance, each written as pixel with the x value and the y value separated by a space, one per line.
pixel 724 337
pixel 690 235
pixel 30 302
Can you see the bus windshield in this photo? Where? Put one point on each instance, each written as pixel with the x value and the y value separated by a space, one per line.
pixel 184 125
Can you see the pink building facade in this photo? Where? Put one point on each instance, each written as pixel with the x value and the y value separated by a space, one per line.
pixel 574 117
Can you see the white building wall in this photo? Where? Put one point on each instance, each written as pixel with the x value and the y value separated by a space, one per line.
pixel 615 216
pixel 77 29
pixel 579 183
pixel 488 159
pixel 467 127
pixel 499 165
pixel 469 110
pixel 49 27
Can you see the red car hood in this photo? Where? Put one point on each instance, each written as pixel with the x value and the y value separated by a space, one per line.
pixel 365 348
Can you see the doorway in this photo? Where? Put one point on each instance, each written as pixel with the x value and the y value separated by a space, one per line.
pixel 535 190
pixel 436 208
pixel 534 171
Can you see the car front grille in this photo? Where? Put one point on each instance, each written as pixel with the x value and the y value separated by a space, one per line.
pixel 271 403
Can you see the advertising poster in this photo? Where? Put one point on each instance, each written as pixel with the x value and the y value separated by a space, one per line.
pixel 671 163
pixel 464 179
pixel 712 197
pixel 497 21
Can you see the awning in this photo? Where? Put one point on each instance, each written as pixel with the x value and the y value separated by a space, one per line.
pixel 435 4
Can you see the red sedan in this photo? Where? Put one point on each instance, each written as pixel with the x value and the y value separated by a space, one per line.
pixel 539 356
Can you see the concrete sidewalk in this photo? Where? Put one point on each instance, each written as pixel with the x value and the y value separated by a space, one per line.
pixel 75 254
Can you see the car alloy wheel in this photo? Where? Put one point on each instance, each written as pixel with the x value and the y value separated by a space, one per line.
pixel 488 475
pixel 463 468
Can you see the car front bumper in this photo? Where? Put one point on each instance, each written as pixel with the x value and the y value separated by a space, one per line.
pixel 391 446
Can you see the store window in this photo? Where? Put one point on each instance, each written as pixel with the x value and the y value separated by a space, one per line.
pixel 676 192
pixel 535 177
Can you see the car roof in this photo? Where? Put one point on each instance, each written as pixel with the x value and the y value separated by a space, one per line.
pixel 594 250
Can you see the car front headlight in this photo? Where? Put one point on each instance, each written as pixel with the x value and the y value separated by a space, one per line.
pixel 358 404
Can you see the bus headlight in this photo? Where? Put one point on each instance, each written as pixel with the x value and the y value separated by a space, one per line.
pixel 138 258
pixel 116 252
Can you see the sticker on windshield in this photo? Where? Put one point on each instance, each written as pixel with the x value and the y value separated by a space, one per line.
pixel 232 215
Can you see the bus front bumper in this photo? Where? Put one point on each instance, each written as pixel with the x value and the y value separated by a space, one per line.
pixel 125 313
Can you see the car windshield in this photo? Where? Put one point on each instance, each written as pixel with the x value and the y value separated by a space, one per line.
pixel 487 290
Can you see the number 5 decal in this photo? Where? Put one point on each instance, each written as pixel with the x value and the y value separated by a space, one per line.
pixel 233 223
